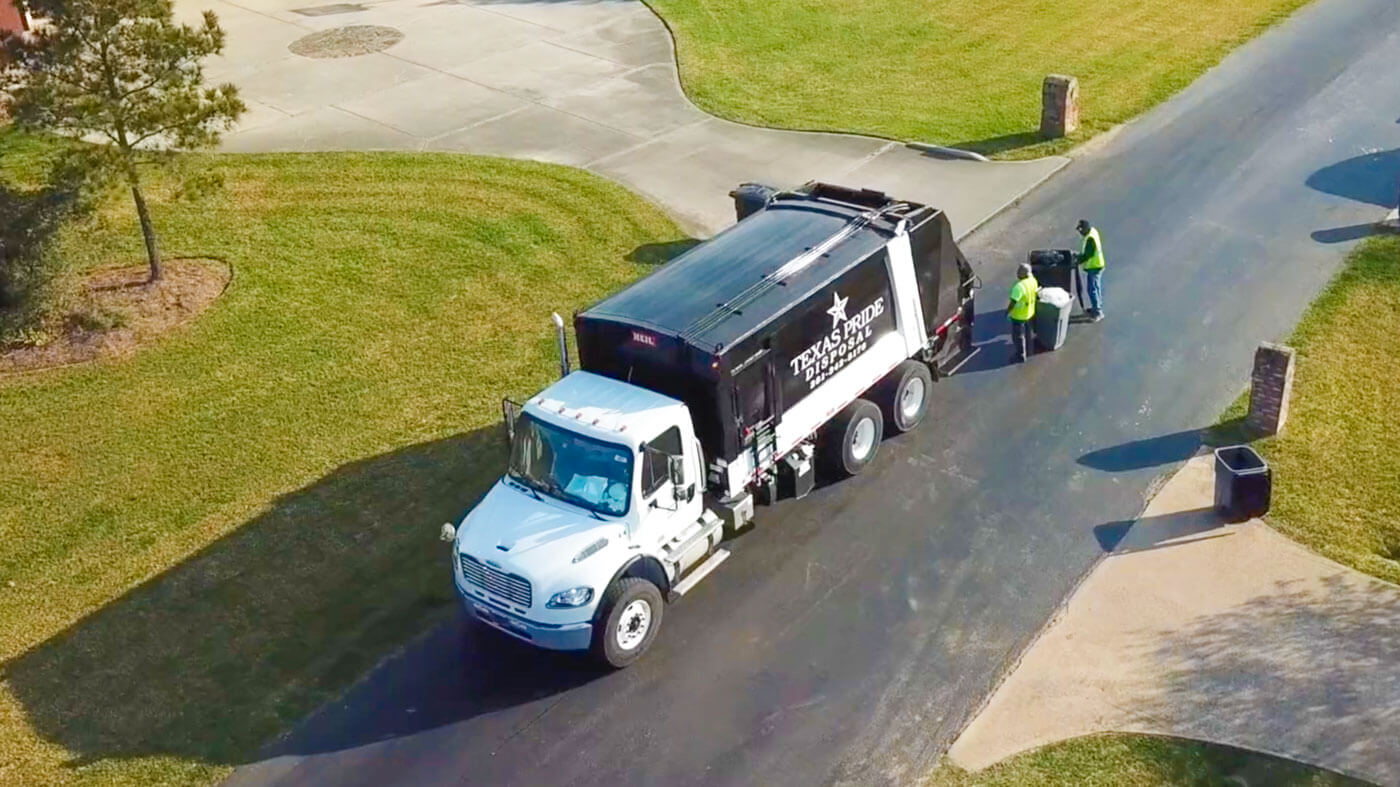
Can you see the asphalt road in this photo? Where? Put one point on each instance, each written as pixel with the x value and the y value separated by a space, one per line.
pixel 853 632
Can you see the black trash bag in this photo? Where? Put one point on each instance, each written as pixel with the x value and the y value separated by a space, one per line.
pixel 1050 257
pixel 1053 268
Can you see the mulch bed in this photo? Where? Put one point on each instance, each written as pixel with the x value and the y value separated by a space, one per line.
pixel 148 311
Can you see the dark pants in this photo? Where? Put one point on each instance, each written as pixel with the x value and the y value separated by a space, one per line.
pixel 1020 339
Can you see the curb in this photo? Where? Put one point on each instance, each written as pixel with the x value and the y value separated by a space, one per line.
pixel 945 152
pixel 1063 162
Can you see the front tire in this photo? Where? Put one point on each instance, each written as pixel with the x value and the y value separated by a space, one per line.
pixel 903 396
pixel 852 439
pixel 628 618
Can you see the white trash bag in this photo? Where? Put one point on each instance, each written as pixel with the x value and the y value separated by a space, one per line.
pixel 1055 296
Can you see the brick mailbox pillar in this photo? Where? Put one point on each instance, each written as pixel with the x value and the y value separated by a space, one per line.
pixel 1270 386
pixel 1059 106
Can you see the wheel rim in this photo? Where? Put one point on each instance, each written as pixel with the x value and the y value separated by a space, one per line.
pixel 633 624
pixel 862 439
pixel 911 399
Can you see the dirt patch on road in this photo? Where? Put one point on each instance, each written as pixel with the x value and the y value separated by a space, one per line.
pixel 118 311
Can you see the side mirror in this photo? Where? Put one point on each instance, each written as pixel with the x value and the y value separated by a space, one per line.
pixel 510 412
pixel 675 468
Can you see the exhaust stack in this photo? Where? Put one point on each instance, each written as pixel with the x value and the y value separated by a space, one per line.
pixel 563 344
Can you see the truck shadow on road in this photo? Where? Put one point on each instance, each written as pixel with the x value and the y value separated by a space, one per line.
pixel 457 671
pixel 1373 178
pixel 208 660
pixel 991 335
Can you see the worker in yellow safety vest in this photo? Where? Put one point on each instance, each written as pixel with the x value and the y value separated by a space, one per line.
pixel 1021 310
pixel 1092 261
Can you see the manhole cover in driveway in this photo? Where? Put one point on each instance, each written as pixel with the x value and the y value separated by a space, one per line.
pixel 346 41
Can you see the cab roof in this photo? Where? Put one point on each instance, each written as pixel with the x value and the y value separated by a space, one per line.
pixel 605 408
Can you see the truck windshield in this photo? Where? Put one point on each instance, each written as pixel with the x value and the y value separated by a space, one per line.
pixel 591 473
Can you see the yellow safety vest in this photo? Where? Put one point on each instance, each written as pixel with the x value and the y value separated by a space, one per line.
pixel 1096 262
pixel 1023 294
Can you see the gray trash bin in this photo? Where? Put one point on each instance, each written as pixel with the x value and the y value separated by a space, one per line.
pixel 1052 317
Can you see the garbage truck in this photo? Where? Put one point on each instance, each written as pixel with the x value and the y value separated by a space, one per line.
pixel 788 344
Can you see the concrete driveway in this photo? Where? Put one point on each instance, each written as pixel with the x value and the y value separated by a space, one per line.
pixel 588 83
pixel 1194 628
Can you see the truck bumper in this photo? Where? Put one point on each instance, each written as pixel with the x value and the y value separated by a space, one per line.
pixel 569 636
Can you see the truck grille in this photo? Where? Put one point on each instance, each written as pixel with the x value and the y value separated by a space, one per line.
pixel 512 588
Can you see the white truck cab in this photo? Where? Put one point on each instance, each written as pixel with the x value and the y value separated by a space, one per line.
pixel 603 486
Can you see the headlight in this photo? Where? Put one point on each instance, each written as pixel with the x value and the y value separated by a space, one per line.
pixel 573 597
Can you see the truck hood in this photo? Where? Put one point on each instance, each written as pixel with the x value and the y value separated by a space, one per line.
pixel 509 523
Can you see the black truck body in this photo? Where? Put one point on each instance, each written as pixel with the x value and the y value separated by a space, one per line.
pixel 745 326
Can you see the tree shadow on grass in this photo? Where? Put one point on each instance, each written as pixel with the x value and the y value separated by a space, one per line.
pixel 219 654
pixel 661 253
pixel 1149 758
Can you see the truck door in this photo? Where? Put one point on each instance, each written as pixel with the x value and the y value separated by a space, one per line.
pixel 668 507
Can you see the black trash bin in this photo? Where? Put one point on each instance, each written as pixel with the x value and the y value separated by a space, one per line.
pixel 750 198
pixel 1243 483
pixel 1053 268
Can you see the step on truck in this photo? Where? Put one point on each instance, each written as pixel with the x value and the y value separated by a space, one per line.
pixel 788 344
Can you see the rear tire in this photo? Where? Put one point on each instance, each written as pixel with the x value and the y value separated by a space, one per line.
pixel 851 440
pixel 903 396
pixel 627 621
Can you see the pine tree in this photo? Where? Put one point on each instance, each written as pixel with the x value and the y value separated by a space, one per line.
pixel 122 74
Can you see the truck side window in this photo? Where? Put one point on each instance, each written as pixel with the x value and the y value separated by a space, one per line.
pixel 654 459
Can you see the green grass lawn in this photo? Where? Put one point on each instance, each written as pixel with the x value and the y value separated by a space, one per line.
pixel 202 543
pixel 1140 761
pixel 954 72
pixel 1336 465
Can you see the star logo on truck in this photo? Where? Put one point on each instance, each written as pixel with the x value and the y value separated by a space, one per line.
pixel 837 310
